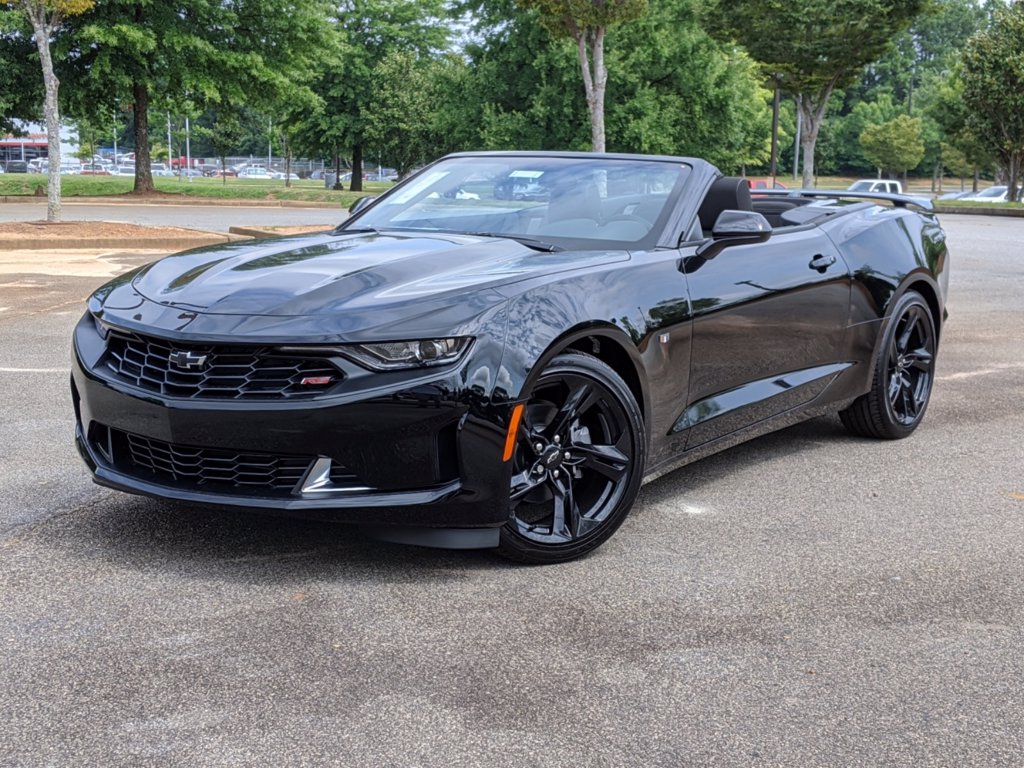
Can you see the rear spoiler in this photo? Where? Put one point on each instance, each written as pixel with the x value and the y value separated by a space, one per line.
pixel 900 201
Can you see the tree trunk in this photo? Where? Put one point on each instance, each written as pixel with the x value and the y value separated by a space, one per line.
pixel 812 111
pixel 42 31
pixel 143 172
pixel 1013 170
pixel 356 185
pixel 595 81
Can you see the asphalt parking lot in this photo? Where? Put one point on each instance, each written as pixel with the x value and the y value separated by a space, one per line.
pixel 806 599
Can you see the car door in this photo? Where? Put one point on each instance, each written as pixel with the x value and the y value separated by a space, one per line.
pixel 769 321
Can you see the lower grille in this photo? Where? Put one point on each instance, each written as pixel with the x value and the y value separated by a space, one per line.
pixel 208 469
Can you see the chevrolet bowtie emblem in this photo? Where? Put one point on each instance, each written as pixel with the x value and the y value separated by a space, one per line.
pixel 187 361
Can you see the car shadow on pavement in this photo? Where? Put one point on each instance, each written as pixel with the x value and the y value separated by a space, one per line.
pixel 151 535
pixel 157 536
pixel 692 478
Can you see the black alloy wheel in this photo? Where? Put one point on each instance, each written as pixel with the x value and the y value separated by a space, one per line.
pixel 578 462
pixel 904 373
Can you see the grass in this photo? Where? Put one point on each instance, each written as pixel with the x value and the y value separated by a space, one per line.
pixel 940 204
pixel 33 185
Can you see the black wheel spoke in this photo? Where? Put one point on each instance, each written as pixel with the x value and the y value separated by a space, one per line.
pixel 909 403
pixel 895 385
pixel 921 359
pixel 565 522
pixel 580 399
pixel 523 483
pixel 605 459
pixel 904 340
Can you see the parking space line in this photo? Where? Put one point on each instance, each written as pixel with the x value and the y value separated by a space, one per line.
pixel 35 370
pixel 981 372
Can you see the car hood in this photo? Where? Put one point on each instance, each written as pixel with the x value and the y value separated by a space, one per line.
pixel 331 273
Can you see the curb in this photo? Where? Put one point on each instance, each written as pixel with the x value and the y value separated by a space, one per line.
pixel 152 244
pixel 262 234
pixel 194 201
pixel 1017 213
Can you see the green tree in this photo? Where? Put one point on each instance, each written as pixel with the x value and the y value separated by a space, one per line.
pixel 224 132
pixel 586 23
pixel 895 145
pixel 197 51
pixel 21 89
pixel 400 117
pixel 46 18
pixel 681 92
pixel 813 48
pixel 946 106
pixel 993 89
pixel 363 33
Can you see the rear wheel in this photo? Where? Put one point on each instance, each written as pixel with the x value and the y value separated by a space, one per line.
pixel 578 462
pixel 904 372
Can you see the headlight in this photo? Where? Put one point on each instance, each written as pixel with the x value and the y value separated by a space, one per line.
pixel 395 355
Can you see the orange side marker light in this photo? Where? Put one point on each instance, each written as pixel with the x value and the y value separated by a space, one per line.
pixel 513 428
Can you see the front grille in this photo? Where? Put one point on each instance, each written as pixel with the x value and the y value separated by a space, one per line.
pixel 215 371
pixel 209 469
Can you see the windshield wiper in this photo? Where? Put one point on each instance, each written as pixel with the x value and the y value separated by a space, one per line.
pixel 529 242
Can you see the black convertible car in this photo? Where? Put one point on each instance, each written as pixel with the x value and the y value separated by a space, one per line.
pixel 500 350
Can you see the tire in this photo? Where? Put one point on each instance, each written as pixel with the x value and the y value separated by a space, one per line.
pixel 904 373
pixel 577 465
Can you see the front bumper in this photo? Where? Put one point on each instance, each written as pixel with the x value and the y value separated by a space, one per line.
pixel 425 454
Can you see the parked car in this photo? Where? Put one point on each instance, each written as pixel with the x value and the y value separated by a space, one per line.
pixel 994 194
pixel 16 166
pixel 95 169
pixel 505 373
pixel 279 176
pixel 188 172
pixel 123 170
pixel 254 172
pixel 765 183
pixel 955 195
pixel 70 168
pixel 888 186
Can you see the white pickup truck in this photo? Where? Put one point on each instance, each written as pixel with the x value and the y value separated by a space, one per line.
pixel 876 185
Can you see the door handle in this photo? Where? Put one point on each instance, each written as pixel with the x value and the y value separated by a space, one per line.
pixel 821 262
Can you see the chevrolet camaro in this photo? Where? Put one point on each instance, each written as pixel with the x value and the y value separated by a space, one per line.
pixel 498 351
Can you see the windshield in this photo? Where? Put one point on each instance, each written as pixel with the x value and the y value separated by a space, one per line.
pixel 600 201
pixel 993 192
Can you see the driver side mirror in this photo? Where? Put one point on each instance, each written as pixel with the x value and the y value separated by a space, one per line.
pixel 735 228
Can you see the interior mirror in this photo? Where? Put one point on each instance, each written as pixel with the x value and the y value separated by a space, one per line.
pixel 361 203
pixel 735 228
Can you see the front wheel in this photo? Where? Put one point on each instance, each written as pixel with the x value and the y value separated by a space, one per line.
pixel 577 464
pixel 904 372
